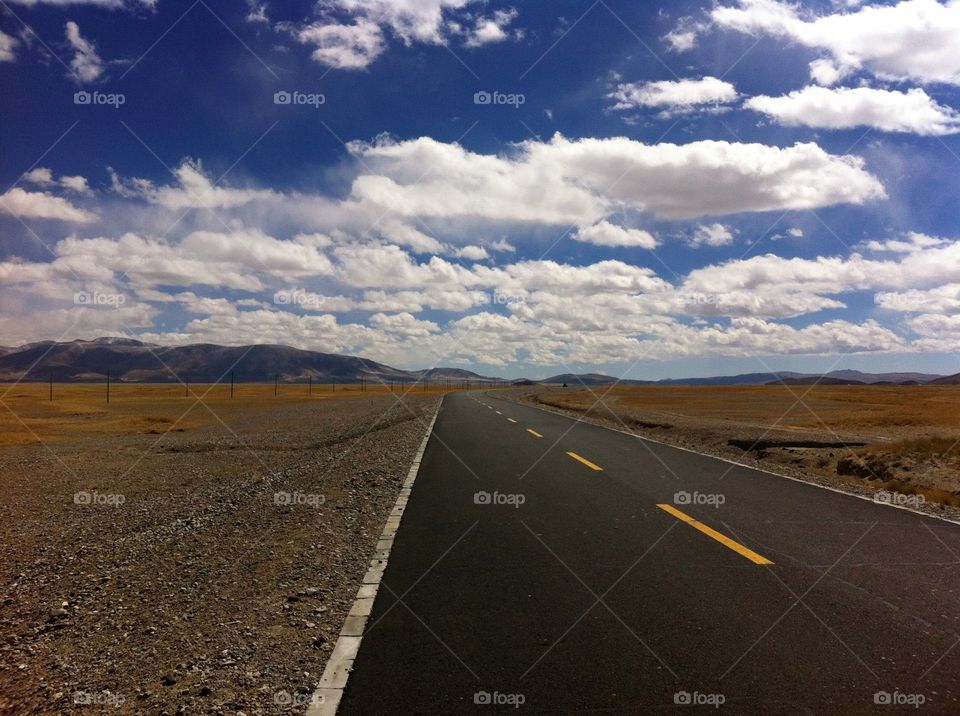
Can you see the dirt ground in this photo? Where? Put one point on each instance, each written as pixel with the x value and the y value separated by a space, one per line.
pixel 895 443
pixel 169 555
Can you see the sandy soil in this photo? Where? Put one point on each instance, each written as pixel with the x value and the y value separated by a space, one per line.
pixel 895 443
pixel 161 562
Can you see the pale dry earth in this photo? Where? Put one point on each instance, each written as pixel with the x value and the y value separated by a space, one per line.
pixel 203 592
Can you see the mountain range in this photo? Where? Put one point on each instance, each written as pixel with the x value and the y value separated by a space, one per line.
pixel 130 360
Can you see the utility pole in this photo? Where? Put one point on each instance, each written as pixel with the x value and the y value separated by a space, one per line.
pixel 231 385
pixel 108 385
pixel 309 385
pixel 51 386
pixel 276 385
pixel 186 388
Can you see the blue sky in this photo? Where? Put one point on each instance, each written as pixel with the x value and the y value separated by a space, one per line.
pixel 652 190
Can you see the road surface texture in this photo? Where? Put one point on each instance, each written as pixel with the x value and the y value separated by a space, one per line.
pixel 546 565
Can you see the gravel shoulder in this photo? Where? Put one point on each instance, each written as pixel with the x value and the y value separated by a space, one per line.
pixel 204 570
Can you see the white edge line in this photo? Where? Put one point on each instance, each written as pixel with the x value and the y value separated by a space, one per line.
pixel 743 465
pixel 329 692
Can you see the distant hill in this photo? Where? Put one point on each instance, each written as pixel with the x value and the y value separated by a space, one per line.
pixel 883 377
pixel 817 380
pixel 588 379
pixel 837 377
pixel 947 380
pixel 742 379
pixel 134 361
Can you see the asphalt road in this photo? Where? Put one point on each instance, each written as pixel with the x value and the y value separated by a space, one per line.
pixel 575 589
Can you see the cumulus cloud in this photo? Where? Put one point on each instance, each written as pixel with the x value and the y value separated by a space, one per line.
pixel 909 40
pixel 579 182
pixel 554 313
pixel 86 63
pixel 674 97
pixel 345 47
pixel 473 253
pixel 8 46
pixel 712 235
pixel 193 191
pixel 42 176
pixel 42 205
pixel 606 234
pixel 911 243
pixel 912 111
pixel 489 30
pixel 356 43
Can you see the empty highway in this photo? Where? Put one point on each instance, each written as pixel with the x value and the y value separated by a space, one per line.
pixel 547 565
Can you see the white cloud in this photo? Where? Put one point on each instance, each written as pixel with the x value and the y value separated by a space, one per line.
pixel 8 45
pixel 257 13
pixel 488 30
pixel 684 36
pixel 675 97
pixel 345 47
pixel 579 182
pixel 606 234
pixel 411 20
pixel 195 190
pixel 910 40
pixel 357 44
pixel 86 63
pixel 41 176
pixel 913 242
pixel 75 183
pixel 473 253
pixel 42 205
pixel 912 111
pixel 712 235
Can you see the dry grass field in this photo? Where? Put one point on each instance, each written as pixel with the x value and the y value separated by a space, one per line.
pixel 178 582
pixel 901 438
pixel 27 415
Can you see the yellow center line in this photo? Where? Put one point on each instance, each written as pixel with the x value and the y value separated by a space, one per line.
pixel 499 413
pixel 534 433
pixel 710 532
pixel 511 420
pixel 585 461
